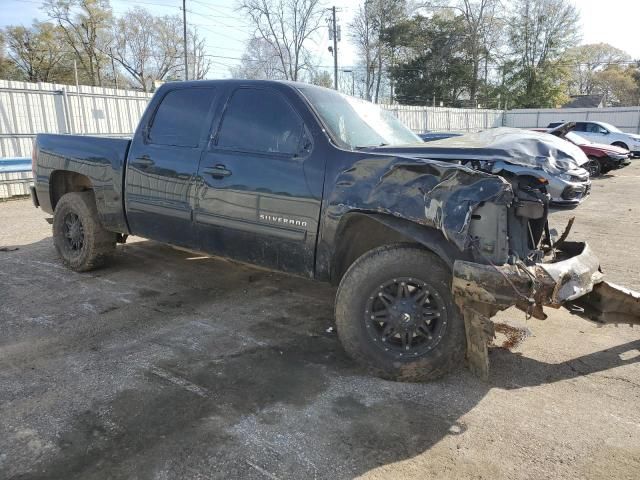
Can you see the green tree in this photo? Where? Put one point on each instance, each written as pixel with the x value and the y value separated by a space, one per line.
pixel 8 70
pixel 585 61
pixel 539 33
pixel 86 25
pixel 618 85
pixel 437 66
pixel 38 52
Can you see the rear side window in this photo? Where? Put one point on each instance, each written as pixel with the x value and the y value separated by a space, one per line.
pixel 580 127
pixel 181 117
pixel 262 121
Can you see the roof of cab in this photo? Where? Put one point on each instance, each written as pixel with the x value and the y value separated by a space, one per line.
pixel 236 81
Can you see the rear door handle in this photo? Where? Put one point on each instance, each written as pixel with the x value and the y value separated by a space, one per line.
pixel 219 171
pixel 144 161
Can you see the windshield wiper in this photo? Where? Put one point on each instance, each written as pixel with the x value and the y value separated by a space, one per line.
pixel 362 147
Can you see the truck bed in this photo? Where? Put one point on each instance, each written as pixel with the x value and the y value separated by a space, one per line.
pixel 100 159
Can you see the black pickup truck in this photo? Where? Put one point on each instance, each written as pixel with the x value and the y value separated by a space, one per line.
pixel 425 247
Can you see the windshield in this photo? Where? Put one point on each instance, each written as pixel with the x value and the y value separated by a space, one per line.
pixel 610 127
pixel 575 138
pixel 356 123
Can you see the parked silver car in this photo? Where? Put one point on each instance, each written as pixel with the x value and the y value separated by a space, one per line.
pixel 568 188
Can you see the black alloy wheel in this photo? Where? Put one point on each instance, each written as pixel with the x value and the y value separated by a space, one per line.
pixel 73 233
pixel 404 317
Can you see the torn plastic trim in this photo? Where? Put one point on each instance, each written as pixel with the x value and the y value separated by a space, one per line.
pixel 574 277
pixel 543 284
pixel 480 291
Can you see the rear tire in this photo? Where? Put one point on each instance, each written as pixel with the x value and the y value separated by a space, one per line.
pixel 416 336
pixel 80 240
pixel 594 167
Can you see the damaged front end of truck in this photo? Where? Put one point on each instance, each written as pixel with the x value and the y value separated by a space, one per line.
pixel 517 260
pixel 546 273
pixel 507 253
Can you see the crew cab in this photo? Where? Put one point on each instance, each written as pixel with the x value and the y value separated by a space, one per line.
pixel 304 180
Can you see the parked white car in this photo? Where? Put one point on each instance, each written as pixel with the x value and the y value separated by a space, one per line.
pixel 601 132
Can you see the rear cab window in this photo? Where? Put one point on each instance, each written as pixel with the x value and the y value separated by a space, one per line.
pixel 181 117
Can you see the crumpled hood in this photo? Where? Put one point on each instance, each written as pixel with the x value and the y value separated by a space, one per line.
pixel 510 145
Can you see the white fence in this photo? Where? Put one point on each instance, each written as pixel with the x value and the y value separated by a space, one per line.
pixel 30 108
pixel 626 119
pixel 444 119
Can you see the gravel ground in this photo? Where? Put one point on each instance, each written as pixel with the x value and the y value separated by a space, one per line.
pixel 172 365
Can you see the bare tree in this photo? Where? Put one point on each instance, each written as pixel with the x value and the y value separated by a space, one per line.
pixel 199 64
pixel 480 18
pixel 259 62
pixel 86 25
pixel 287 26
pixel 148 48
pixel 371 29
pixel 37 51
pixel 367 45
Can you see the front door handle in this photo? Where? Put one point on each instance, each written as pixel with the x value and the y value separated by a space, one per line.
pixel 219 171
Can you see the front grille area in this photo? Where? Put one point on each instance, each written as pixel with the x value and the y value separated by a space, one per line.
pixel 575 192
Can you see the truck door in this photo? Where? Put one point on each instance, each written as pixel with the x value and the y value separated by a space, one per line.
pixel 255 202
pixel 163 163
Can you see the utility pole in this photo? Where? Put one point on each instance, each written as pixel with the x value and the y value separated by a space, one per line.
pixel 184 38
pixel 335 48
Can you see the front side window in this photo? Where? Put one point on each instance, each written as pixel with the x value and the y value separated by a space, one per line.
pixel 260 120
pixel 595 128
pixel 181 116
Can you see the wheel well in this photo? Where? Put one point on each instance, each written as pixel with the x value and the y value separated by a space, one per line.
pixel 360 233
pixel 62 181
pixel 621 144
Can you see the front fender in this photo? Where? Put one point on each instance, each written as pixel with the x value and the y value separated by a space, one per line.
pixel 429 237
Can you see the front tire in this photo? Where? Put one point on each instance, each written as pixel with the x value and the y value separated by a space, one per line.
pixel 80 240
pixel 621 145
pixel 395 314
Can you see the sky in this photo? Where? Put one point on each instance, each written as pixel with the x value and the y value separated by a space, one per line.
pixel 227 31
